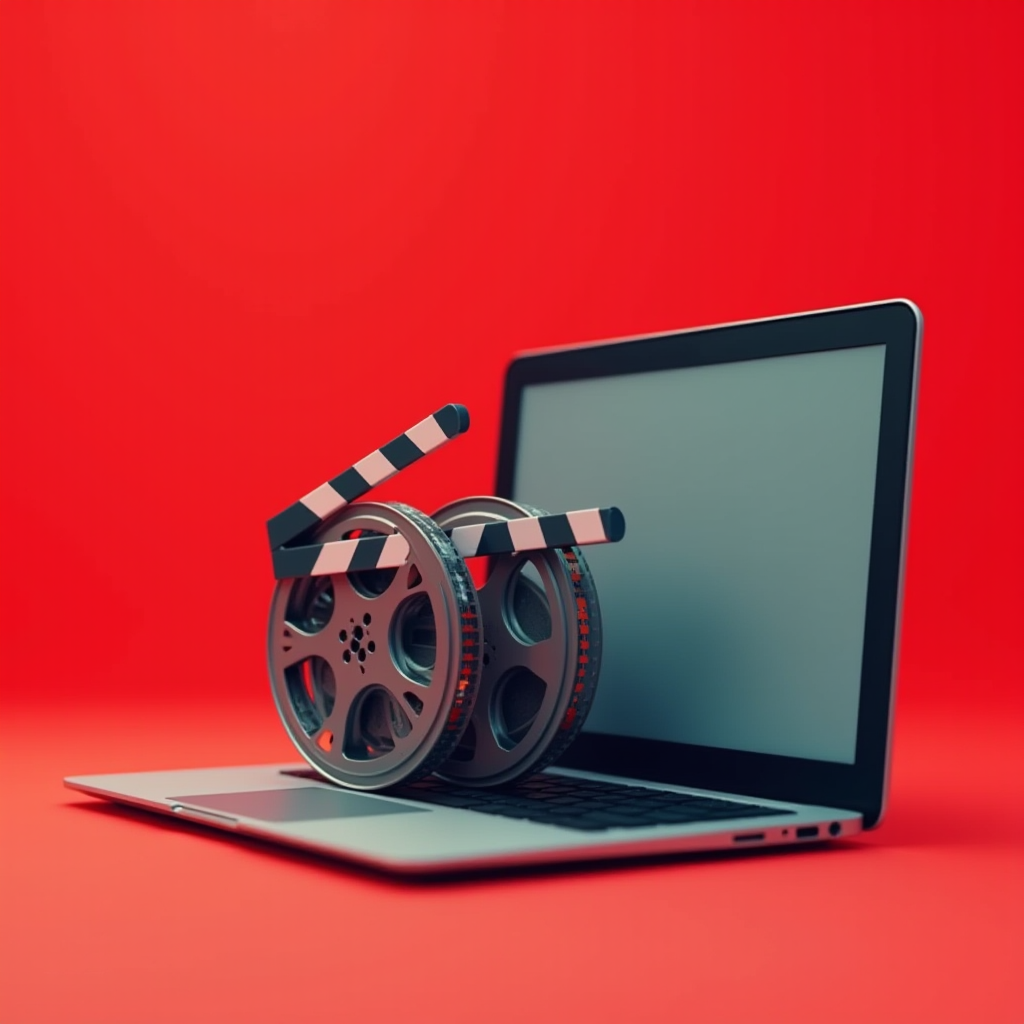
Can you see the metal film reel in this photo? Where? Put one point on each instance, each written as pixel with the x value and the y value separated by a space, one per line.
pixel 542 653
pixel 375 672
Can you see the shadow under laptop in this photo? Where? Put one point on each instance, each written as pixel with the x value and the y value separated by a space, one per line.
pixel 333 865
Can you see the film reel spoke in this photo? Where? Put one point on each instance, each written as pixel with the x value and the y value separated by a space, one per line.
pixel 312 692
pixel 334 723
pixel 418 701
pixel 479 748
pixel 377 727
pixel 296 645
pixel 538 658
pixel 517 602
pixel 519 699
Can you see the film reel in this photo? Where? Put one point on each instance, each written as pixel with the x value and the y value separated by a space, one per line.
pixel 376 634
pixel 542 653
pixel 375 670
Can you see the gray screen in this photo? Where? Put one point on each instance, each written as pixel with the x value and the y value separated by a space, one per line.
pixel 734 608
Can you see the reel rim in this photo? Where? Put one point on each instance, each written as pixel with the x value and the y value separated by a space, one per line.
pixel 437 709
pixel 572 694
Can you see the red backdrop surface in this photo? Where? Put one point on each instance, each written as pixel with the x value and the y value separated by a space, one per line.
pixel 245 243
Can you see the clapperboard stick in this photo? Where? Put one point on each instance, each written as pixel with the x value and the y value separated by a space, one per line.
pixel 310 511
pixel 531 533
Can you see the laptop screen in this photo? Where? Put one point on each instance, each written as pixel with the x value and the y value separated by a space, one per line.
pixel 734 608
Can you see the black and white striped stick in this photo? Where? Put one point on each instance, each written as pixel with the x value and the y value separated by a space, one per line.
pixel 535 533
pixel 380 465
pixel 341 556
pixel 531 533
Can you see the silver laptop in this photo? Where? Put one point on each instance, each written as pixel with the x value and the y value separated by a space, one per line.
pixel 751 615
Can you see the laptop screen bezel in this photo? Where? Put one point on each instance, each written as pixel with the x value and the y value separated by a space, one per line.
pixel 860 786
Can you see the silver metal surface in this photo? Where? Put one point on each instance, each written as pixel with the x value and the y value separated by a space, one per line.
pixel 448 839
pixel 534 691
pixel 372 672
pixel 907 490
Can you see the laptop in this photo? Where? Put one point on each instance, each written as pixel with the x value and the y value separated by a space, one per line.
pixel 750 616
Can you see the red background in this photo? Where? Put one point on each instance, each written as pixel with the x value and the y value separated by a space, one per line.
pixel 243 244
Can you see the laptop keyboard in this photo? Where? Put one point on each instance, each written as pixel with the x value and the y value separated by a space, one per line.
pixel 582 804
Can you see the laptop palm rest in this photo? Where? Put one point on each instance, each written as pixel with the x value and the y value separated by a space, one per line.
pixel 310 803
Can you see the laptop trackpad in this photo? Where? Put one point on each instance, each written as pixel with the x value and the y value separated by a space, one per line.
pixel 306 804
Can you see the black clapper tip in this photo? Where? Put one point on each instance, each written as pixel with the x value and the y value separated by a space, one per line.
pixel 453 419
pixel 614 523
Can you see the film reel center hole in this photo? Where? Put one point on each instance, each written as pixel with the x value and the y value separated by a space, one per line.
pixel 310 604
pixel 358 644
pixel 527 611
pixel 312 691
pixel 376 720
pixel 413 638
pixel 514 705
pixel 370 583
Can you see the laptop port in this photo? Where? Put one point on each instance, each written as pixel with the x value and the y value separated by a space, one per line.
pixel 749 837
pixel 834 829
pixel 807 832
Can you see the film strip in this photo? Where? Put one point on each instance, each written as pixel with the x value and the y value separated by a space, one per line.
pixel 380 643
